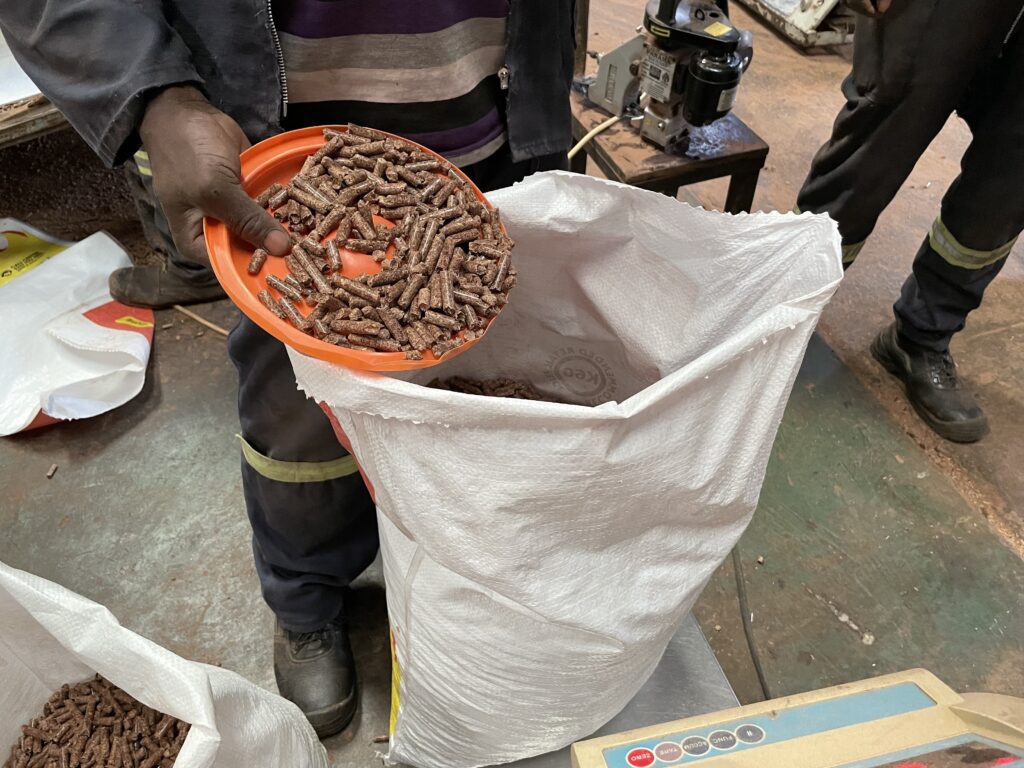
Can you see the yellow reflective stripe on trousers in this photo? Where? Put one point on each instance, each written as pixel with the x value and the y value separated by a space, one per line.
pixel 956 253
pixel 297 471
pixel 142 163
pixel 850 252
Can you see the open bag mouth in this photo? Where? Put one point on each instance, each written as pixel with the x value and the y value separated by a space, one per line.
pixel 391 396
pixel 623 296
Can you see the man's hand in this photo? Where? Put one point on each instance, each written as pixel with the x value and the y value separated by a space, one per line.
pixel 869 7
pixel 193 151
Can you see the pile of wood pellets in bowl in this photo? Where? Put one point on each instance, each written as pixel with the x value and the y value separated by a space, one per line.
pixel 94 724
pixel 446 265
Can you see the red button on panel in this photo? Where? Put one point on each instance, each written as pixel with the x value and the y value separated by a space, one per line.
pixel 640 757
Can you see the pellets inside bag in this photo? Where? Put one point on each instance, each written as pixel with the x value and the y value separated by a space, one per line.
pixel 521 390
pixel 449 271
pixel 94 724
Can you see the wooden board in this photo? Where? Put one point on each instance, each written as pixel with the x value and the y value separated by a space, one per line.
pixel 28 118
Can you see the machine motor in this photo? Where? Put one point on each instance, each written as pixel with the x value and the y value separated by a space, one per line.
pixel 683 70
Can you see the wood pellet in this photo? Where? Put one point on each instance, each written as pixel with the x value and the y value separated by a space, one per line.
pixel 514 388
pixel 94 724
pixel 448 273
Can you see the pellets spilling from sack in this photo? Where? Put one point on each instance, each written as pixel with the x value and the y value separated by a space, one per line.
pixel 96 724
pixel 521 390
pixel 450 268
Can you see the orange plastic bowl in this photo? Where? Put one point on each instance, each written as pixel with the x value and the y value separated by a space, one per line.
pixel 278 159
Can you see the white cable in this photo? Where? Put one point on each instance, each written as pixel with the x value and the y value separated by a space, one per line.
pixel 592 133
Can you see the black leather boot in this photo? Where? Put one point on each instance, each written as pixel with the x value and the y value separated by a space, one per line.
pixel 159 288
pixel 315 670
pixel 933 387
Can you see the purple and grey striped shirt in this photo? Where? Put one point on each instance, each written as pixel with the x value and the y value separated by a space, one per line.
pixel 425 70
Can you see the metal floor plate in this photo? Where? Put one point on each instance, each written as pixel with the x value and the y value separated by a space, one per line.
pixel 687 682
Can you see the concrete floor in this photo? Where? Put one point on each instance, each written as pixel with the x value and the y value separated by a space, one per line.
pixel 863 510
pixel 856 521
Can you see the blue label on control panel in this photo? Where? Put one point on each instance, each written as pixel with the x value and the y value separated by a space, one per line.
pixel 965 750
pixel 783 725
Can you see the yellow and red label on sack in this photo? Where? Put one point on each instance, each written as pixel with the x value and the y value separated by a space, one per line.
pixel 121 317
pixel 22 250
pixel 41 420
pixel 118 317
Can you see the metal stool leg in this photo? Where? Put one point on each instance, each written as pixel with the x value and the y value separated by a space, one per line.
pixel 741 191
pixel 579 162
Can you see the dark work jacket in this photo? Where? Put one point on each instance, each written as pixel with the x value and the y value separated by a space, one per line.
pixel 99 60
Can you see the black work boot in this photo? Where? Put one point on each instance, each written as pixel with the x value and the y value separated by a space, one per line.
pixel 933 387
pixel 159 288
pixel 315 670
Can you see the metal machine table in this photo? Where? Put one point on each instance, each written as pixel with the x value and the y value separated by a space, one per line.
pixel 724 148
pixel 688 681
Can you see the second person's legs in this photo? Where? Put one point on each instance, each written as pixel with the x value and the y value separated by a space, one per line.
pixel 982 212
pixel 982 216
pixel 912 67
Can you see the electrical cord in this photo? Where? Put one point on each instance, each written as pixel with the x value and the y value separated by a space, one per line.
pixel 748 629
pixel 592 133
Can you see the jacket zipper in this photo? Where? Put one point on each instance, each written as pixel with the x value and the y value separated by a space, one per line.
pixel 1013 29
pixel 503 73
pixel 282 76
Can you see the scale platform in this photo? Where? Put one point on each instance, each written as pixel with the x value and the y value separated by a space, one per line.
pixel 906 720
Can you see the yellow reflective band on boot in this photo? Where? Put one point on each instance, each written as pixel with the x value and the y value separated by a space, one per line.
pixel 952 250
pixel 297 471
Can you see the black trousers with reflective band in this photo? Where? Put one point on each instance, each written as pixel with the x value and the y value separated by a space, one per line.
pixel 313 521
pixel 154 223
pixel 913 68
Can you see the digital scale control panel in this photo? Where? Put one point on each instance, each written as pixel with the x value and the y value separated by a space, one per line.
pixel 912 725
pixel 784 725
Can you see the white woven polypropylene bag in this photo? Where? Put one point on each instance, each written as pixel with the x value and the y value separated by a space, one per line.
pixel 61 358
pixel 539 556
pixel 50 636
